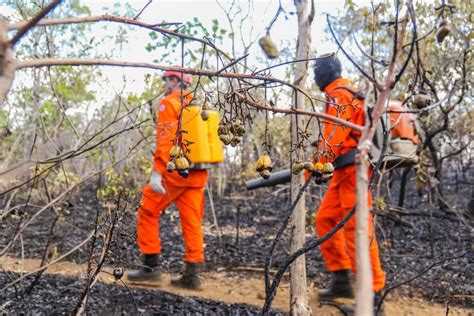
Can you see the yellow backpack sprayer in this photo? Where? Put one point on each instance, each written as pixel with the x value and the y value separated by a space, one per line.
pixel 205 147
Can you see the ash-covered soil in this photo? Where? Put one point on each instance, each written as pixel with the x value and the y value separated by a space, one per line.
pixel 59 295
pixel 248 222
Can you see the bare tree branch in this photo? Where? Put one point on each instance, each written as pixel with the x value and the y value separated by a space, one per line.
pixel 118 19
pixel 143 9
pixel 362 71
pixel 299 112
pixel 199 72
pixel 59 197
pixel 31 23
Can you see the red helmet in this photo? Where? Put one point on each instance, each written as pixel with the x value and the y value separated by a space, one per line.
pixel 187 78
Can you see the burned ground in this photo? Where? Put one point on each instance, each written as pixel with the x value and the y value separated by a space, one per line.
pixel 248 224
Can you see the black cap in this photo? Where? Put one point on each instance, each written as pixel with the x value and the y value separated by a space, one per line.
pixel 327 69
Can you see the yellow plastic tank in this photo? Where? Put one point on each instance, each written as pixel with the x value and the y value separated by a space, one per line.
pixel 206 147
pixel 215 144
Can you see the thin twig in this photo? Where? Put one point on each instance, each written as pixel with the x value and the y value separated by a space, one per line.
pixel 36 63
pixel 51 263
pixel 416 277
pixel 372 59
pixel 128 289
pixel 31 23
pixel 268 257
pixel 143 9
pixel 59 197
pixel 293 62
pixel 43 259
pixel 232 64
pixel 279 10
pixel 362 71
pixel 414 35
pixel 328 117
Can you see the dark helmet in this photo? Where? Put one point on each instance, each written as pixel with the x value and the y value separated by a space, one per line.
pixel 327 69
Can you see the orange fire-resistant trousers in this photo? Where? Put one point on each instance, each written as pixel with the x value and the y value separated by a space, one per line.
pixel 339 251
pixel 190 203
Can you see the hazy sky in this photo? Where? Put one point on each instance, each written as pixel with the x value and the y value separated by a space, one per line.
pixel 283 31
pixel 206 11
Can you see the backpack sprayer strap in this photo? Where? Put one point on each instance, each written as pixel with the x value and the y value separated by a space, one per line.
pixel 345 160
pixel 356 93
pixel 349 158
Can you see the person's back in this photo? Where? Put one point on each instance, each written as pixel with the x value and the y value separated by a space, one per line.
pixel 168 114
pixel 338 141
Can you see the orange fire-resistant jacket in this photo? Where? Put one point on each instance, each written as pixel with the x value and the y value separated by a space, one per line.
pixel 339 139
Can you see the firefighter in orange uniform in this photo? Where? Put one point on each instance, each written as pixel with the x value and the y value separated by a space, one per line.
pixel 186 190
pixel 339 147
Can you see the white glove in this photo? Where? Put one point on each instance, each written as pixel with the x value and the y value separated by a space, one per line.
pixel 155 182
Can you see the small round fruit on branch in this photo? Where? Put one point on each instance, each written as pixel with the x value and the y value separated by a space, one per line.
pixel 182 163
pixel 264 162
pixel 308 165
pixel 175 151
pixel 297 168
pixel 184 173
pixel 205 115
pixel 328 168
pixel 223 129
pixel 265 174
pixel 226 138
pixel 268 46
pixel 443 30
pixel 118 273
pixel 421 100
pixel 170 166
pixel 318 169
pixel 237 128
pixel 235 141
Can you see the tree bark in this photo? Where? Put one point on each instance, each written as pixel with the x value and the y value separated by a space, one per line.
pixel 364 282
pixel 365 294
pixel 7 63
pixel 298 287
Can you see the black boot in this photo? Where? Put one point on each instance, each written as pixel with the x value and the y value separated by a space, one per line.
pixel 190 278
pixel 340 286
pixel 150 271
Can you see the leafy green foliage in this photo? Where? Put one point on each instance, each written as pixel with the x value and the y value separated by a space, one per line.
pixel 166 45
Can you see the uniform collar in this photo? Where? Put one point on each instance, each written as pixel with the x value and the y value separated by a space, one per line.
pixel 336 83
pixel 177 94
